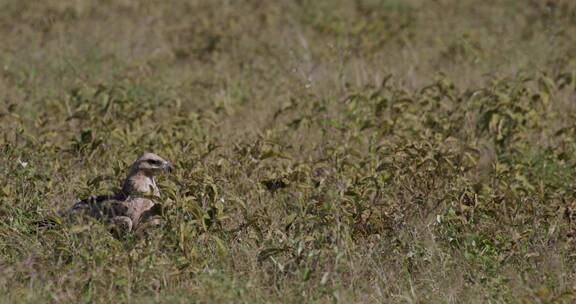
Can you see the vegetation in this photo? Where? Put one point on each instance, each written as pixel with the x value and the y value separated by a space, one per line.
pixel 392 151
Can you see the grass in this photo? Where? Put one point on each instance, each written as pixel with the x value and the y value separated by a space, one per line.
pixel 325 151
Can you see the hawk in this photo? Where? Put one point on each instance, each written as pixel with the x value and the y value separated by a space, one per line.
pixel 134 205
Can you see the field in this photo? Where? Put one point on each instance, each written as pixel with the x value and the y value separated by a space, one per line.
pixel 326 151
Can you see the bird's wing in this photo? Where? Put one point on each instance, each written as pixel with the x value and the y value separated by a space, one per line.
pixel 100 207
pixel 111 208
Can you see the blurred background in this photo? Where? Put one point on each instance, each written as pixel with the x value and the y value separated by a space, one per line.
pixel 342 151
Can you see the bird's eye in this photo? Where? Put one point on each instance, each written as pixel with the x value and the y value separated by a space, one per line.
pixel 154 162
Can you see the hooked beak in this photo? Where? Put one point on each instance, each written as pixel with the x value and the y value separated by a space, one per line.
pixel 168 167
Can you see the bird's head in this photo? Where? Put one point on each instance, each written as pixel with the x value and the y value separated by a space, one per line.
pixel 141 175
pixel 151 164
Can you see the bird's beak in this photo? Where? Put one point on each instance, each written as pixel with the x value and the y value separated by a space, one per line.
pixel 168 167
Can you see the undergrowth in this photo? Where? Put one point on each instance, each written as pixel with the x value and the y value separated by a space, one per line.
pixel 325 151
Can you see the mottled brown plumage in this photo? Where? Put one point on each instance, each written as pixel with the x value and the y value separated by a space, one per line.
pixel 135 204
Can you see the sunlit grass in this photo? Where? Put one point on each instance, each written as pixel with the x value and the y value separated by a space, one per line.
pixel 325 151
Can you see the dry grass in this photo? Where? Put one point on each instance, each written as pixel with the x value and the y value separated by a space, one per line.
pixel 327 151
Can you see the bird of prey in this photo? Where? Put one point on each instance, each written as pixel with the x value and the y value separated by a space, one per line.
pixel 134 205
